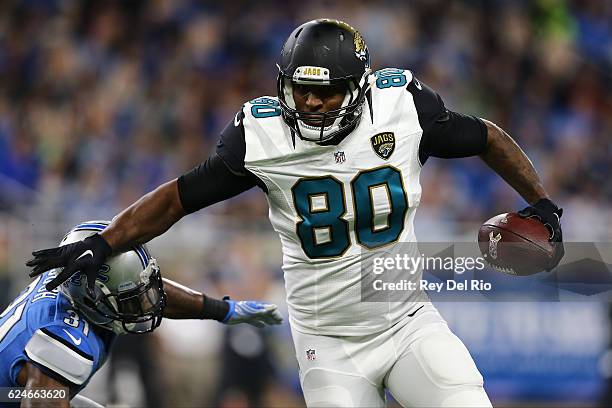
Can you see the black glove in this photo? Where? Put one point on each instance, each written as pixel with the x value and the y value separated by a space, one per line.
pixel 86 256
pixel 550 215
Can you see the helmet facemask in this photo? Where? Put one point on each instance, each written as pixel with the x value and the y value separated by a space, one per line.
pixel 135 308
pixel 324 52
pixel 333 124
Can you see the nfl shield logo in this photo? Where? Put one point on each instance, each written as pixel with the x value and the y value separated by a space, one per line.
pixel 383 144
pixel 310 355
pixel 339 156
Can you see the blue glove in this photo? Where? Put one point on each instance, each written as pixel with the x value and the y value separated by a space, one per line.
pixel 253 312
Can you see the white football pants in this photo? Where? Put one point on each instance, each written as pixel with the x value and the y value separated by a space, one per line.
pixel 419 360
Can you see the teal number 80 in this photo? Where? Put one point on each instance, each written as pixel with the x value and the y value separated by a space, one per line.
pixel 320 203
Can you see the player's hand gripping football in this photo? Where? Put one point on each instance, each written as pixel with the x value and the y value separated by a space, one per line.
pixel 253 312
pixel 86 256
pixel 550 215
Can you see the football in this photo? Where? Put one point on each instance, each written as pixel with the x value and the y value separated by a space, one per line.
pixel 515 245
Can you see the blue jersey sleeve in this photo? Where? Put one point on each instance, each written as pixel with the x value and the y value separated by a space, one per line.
pixel 44 328
pixel 67 347
pixel 65 352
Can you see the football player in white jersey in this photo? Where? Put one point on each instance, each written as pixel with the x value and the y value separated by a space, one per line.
pixel 338 154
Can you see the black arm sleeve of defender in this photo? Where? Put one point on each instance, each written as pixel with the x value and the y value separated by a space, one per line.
pixel 446 134
pixel 211 182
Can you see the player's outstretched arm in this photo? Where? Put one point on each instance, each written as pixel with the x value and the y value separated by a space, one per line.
pixel 147 218
pixel 209 183
pixel 150 216
pixel 32 378
pixel 185 303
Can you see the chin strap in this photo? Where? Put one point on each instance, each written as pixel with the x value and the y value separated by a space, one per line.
pixel 369 99
pixel 341 134
pixel 293 137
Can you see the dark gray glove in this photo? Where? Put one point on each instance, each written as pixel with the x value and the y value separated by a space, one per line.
pixel 548 214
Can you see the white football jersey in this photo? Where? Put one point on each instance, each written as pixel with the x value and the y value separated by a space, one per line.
pixel 335 206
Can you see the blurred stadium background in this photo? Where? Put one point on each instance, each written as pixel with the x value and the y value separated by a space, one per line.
pixel 101 101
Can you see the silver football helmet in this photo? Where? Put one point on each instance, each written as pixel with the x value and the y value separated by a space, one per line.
pixel 129 294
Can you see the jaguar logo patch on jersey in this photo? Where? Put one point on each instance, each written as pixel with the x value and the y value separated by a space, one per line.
pixel 383 144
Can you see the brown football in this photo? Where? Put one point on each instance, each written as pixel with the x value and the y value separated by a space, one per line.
pixel 515 245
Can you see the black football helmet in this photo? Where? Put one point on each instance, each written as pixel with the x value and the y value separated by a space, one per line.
pixel 324 53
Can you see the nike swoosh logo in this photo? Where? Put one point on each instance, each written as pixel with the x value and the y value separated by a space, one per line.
pixel 443 118
pixel 418 84
pixel 74 339
pixel 413 313
pixel 237 120
pixel 88 252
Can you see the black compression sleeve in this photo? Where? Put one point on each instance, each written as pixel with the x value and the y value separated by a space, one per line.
pixel 454 135
pixel 232 145
pixel 446 134
pixel 211 182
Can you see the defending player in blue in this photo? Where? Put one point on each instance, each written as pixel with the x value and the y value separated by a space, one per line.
pixel 59 338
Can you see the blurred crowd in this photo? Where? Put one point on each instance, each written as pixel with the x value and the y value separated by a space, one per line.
pixel 101 101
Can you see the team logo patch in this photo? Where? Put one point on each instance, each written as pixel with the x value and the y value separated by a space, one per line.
pixel 361 50
pixel 383 144
pixel 310 355
pixel 339 157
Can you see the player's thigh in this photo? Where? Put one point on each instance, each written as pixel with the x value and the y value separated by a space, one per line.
pixel 328 388
pixel 334 373
pixel 437 371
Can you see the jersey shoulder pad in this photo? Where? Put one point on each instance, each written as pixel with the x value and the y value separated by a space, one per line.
pixel 265 133
pixel 390 79
pixel 390 99
pixel 65 351
pixel 262 108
